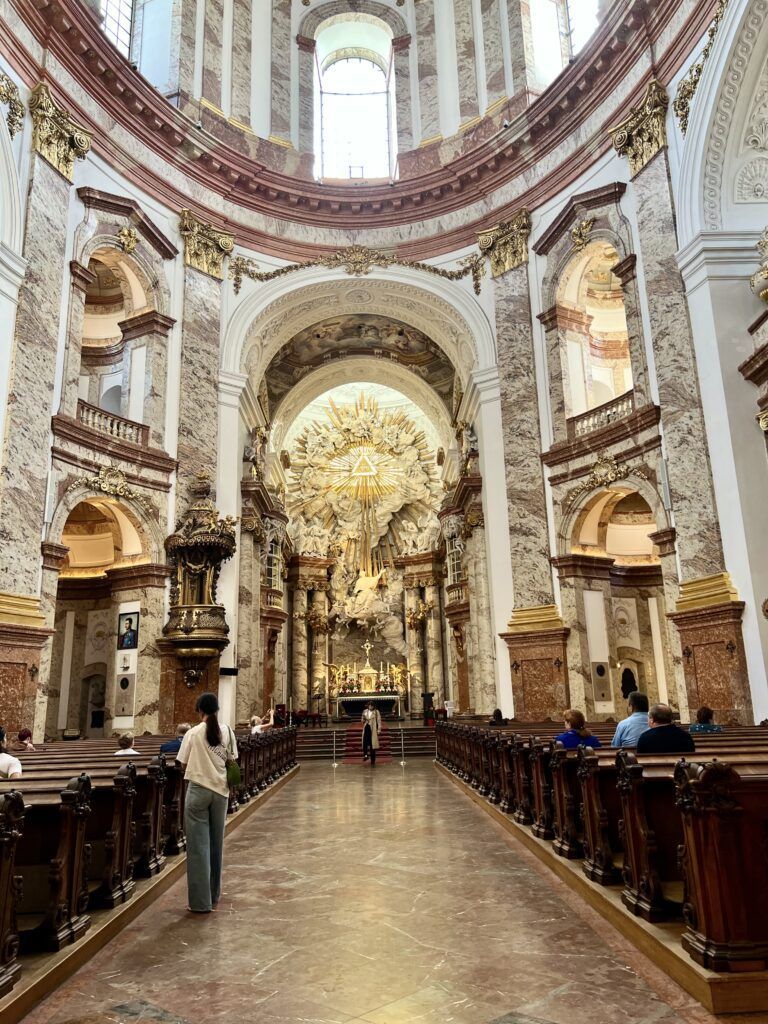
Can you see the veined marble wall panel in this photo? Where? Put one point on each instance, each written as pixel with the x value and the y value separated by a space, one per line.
pixel 429 101
pixel 466 58
pixel 281 70
pixel 401 60
pixel 27 440
pixel 241 62
pixel 183 33
pixel 494 51
pixel 212 51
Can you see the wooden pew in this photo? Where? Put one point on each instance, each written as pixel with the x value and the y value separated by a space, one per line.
pixel 11 825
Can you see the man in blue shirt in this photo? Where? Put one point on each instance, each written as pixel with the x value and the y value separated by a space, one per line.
pixel 173 746
pixel 629 730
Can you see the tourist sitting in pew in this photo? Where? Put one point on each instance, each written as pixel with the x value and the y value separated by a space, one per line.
pixel 705 721
pixel 10 766
pixel 125 746
pixel 23 742
pixel 497 718
pixel 576 731
pixel 173 746
pixel 663 736
pixel 630 729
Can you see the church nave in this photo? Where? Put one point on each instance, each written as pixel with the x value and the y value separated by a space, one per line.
pixel 381 896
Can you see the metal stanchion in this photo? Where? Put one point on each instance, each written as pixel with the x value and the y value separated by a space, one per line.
pixel 402 746
pixel 335 763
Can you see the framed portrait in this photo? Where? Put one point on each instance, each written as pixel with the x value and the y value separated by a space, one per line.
pixel 128 631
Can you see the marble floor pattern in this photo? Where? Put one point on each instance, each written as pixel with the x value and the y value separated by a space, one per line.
pixel 374 896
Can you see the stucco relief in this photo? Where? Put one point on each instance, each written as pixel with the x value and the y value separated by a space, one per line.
pixel 752 182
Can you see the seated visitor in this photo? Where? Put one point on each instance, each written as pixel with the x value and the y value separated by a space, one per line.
pixel 631 728
pixel 259 724
pixel 576 731
pixel 173 746
pixel 125 746
pixel 10 766
pixel 497 718
pixel 23 742
pixel 663 736
pixel 705 721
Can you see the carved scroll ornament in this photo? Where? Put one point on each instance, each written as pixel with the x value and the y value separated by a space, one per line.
pixel 640 136
pixel 204 246
pixel 56 136
pixel 9 94
pixel 759 280
pixel 686 90
pixel 507 244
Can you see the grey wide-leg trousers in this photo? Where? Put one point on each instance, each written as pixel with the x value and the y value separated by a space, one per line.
pixel 205 814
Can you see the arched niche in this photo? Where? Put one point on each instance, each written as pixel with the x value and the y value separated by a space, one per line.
pixel 129 513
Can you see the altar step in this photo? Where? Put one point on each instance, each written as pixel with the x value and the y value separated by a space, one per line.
pixel 317 744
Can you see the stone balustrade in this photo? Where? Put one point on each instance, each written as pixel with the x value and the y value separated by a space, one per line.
pixel 117 427
pixel 457 592
pixel 272 598
pixel 601 415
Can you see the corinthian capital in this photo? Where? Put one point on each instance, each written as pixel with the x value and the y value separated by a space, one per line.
pixel 640 136
pixel 507 244
pixel 204 246
pixel 56 137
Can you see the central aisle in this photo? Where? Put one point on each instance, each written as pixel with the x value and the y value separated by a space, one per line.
pixel 381 896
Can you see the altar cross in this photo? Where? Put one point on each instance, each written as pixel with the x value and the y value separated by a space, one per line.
pixel 367 647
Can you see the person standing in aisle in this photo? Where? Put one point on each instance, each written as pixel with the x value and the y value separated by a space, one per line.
pixel 204 752
pixel 371 727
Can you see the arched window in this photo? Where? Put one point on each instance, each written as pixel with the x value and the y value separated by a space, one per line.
pixel 117 22
pixel 356 137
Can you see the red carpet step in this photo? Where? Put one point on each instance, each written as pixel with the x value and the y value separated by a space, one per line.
pixel 353 753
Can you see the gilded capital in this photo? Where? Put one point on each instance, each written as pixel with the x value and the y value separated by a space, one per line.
pixel 9 94
pixel 204 246
pixel 759 280
pixel 640 136
pixel 507 245
pixel 56 137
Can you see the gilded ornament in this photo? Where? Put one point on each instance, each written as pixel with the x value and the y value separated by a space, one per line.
pixel 111 481
pixel 604 472
pixel 507 244
pixel 252 523
pixel 640 136
pixel 686 90
pixel 357 261
pixel 762 420
pixel 759 280
pixel 9 93
pixel 581 233
pixel 316 621
pixel 128 238
pixel 204 246
pixel 56 137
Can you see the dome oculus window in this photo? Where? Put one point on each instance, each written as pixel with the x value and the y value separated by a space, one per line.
pixel 355 119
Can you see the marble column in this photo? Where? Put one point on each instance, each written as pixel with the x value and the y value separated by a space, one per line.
pixel 401 60
pixel 150 330
pixel 306 94
pixel 466 56
pixel 434 645
pixel 429 101
pixel 495 83
pixel 54 556
pixel 212 51
pixel 414 644
pixel 480 609
pixel 182 63
pixel 626 271
pixel 521 47
pixel 241 63
pixel 281 71
pixel 319 647
pixel 249 629
pixel 300 665
pixel 557 373
pixel 80 279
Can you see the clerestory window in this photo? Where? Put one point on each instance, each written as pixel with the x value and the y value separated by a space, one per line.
pixel 582 22
pixel 117 22
pixel 355 114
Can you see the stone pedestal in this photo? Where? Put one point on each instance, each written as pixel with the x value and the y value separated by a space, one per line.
pixel 177 700
pixel 536 640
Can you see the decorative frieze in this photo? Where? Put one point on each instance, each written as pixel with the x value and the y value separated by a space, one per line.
pixel 204 246
pixel 9 94
pixel 56 137
pixel 507 244
pixel 759 280
pixel 640 136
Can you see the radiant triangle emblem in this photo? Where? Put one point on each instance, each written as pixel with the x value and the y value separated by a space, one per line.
pixel 364 467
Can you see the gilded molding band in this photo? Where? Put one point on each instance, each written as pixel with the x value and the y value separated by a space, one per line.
pixel 539 619
pixel 507 244
pixel 9 94
pixel 204 246
pixel 19 610
pixel 686 90
pixel 56 137
pixel 357 261
pixel 640 136
pixel 706 592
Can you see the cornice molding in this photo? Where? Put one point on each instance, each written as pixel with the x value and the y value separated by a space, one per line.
pixel 151 322
pixel 74 38
pixel 607 195
pixel 120 206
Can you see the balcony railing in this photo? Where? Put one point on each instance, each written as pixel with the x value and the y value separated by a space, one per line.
pixel 601 416
pixel 457 592
pixel 271 598
pixel 113 426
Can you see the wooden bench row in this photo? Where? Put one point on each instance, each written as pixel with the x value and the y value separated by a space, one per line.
pixel 684 838
pixel 70 844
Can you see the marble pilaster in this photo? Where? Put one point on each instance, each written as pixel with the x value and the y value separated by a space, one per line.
pixel 212 51
pixel 429 101
pixel 466 57
pixel 281 71
pixel 199 400
pixel 415 648
pixel 401 60
pixel 557 373
pixel 521 47
pixel 80 279
pixel 480 610
pixel 54 556
pixel 241 63
pixel 494 54
pixel 249 627
pixel 626 271
pixel 150 330
pixel 434 645
pixel 306 94
pixel 182 63
pixel 319 646
pixel 299 665
pixel 526 503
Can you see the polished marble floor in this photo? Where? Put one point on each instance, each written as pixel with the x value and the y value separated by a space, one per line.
pixel 374 896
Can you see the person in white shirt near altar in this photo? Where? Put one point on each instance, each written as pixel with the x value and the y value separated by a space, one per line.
pixel 371 720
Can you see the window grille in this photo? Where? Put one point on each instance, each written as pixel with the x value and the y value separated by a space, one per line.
pixel 117 23
pixel 355 120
